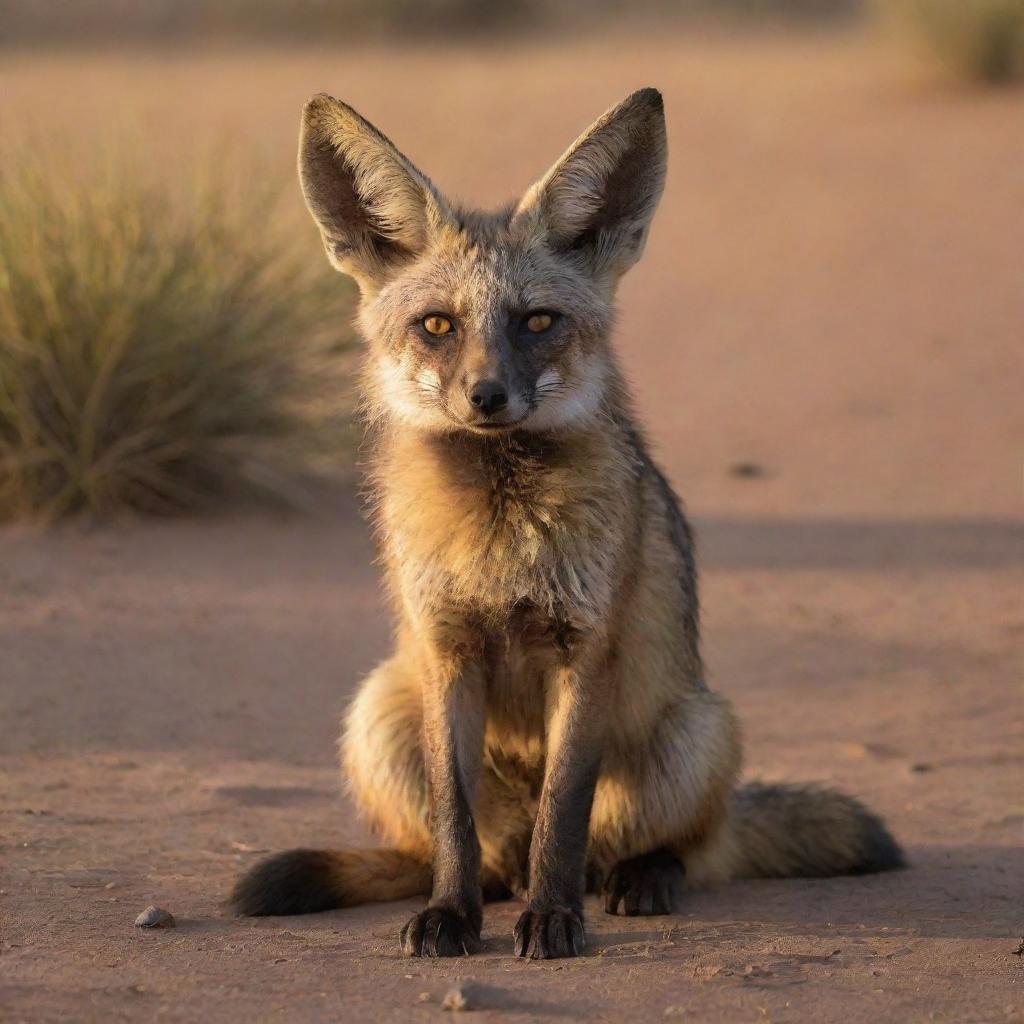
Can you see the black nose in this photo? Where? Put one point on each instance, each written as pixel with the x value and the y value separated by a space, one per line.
pixel 488 396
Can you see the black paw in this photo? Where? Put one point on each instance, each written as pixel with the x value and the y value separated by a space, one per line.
pixel 439 932
pixel 645 885
pixel 546 934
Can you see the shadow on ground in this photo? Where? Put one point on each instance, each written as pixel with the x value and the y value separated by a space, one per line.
pixel 732 544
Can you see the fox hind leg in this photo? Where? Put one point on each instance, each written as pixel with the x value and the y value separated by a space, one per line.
pixel 384 769
pixel 649 884
pixel 382 756
pixel 652 812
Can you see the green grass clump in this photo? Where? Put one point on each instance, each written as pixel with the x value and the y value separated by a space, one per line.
pixel 159 350
pixel 981 40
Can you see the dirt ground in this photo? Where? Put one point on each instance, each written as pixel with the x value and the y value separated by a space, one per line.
pixel 833 294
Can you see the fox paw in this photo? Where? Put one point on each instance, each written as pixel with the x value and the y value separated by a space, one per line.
pixel 645 885
pixel 439 932
pixel 546 934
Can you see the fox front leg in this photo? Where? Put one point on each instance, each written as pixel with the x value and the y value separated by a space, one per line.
pixel 552 924
pixel 453 725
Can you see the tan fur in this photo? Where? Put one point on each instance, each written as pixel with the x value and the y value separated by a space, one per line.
pixel 547 676
pixel 378 876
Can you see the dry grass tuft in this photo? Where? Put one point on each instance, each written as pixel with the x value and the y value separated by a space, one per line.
pixel 158 351
pixel 980 40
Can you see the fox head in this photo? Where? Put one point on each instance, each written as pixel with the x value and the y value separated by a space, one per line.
pixel 488 323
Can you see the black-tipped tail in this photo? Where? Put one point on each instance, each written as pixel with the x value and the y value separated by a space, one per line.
pixel 296 882
pixel 786 831
pixel 309 881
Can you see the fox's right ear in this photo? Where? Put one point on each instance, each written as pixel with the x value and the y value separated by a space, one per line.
pixel 374 209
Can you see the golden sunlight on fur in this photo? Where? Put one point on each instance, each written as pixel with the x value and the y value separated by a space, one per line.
pixel 544 724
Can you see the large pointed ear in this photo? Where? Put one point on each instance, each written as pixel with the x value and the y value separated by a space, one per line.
pixel 598 200
pixel 374 209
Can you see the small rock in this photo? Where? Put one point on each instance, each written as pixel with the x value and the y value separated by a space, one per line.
pixel 747 470
pixel 464 996
pixel 921 767
pixel 1019 951
pixel 423 997
pixel 155 917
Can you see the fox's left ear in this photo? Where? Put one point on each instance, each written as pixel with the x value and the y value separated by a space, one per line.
pixel 598 199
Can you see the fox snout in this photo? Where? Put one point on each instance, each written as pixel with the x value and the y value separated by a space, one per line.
pixel 492 402
pixel 488 396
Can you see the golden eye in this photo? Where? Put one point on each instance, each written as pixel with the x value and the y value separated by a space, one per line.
pixel 435 324
pixel 538 322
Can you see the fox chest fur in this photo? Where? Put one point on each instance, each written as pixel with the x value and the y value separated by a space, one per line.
pixel 526 535
pixel 519 545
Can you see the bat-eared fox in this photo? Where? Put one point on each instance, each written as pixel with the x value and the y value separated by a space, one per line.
pixel 544 727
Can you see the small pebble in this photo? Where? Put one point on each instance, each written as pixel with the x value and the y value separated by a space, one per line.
pixel 747 470
pixel 457 999
pixel 155 917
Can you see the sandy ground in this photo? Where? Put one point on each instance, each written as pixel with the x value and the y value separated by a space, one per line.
pixel 834 292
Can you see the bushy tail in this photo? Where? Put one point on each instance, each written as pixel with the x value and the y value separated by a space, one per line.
pixel 793 831
pixel 308 881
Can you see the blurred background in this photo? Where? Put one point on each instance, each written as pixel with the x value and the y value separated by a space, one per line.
pixel 839 213
pixel 826 339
